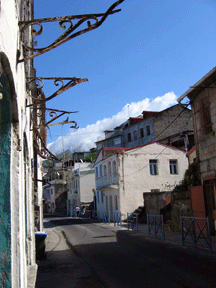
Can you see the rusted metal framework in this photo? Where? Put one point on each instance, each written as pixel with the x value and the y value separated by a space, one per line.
pixel 70 82
pixel 54 113
pixel 73 27
pixel 93 21
pixel 39 108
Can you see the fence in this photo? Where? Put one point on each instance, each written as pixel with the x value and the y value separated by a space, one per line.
pixel 106 217
pixel 156 226
pixel 197 230
pixel 117 219
pixel 132 221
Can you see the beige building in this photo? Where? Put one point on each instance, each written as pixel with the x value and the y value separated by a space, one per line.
pixel 123 175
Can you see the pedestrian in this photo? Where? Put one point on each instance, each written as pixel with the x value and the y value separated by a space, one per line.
pixel 77 211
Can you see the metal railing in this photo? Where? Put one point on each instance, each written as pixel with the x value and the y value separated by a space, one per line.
pixel 106 181
pixel 197 230
pixel 106 218
pixel 156 226
pixel 132 221
pixel 117 219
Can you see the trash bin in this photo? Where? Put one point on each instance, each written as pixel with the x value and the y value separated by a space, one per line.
pixel 40 245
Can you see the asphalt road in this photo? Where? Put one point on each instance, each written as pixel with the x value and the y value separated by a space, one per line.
pixel 122 258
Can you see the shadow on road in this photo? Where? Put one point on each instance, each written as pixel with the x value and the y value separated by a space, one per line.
pixel 67 221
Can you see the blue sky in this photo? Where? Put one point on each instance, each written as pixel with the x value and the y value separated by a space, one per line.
pixel 150 49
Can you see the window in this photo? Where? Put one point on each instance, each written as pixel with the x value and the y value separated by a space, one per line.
pixel 116 202
pixel 114 167
pixel 153 167
pixel 98 199
pixel 96 172
pixel 173 167
pixel 141 132
pixel 155 190
pixel 109 168
pixel 204 116
pixel 148 132
pixel 101 172
pixel 102 197
pixel 135 135
pixel 129 137
pixel 117 141
pixel 105 170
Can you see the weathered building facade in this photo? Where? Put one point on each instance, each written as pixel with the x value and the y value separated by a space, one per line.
pixel 19 164
pixel 202 97
pixel 172 126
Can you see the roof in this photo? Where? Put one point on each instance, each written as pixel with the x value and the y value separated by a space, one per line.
pixel 200 85
pixel 140 146
pixel 157 142
pixel 191 150
pixel 148 114
pixel 115 148
pixel 112 149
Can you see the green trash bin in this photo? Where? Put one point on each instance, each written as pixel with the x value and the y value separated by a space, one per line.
pixel 40 245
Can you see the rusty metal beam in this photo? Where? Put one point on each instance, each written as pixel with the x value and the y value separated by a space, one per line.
pixel 64 122
pixel 40 146
pixel 69 33
pixel 70 82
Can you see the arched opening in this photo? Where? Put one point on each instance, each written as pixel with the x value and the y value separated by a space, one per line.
pixel 5 160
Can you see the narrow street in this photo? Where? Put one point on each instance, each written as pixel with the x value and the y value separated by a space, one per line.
pixel 104 256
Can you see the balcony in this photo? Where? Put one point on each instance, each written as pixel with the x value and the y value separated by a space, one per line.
pixel 58 182
pixel 109 181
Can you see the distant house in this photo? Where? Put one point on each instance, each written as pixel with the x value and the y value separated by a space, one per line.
pixel 80 186
pixel 122 175
pixel 55 191
pixel 172 126
pixel 202 97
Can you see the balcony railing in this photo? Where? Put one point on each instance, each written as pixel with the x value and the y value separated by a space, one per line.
pixel 107 181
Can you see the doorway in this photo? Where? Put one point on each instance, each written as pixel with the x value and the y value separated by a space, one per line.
pixel 210 203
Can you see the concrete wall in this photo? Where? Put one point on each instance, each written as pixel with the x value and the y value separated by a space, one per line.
pixel 87 183
pixel 134 176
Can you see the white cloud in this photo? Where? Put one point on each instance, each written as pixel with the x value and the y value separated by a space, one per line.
pixel 85 138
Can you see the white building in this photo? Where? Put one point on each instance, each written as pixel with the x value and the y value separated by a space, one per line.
pixel 19 164
pixel 81 184
pixel 124 174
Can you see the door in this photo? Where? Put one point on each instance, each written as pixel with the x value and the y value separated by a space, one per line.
pixel 210 203
pixel 5 157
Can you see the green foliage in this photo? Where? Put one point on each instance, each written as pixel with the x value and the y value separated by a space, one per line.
pixel 192 175
pixel 191 178
pixel 48 164
pixel 91 157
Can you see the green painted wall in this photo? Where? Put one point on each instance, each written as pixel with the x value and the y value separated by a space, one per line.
pixel 5 211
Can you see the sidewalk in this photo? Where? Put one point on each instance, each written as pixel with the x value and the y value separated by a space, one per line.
pixel 62 268
pixel 173 237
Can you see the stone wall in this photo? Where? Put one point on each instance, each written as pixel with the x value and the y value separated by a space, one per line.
pixel 154 202
pixel 164 127
pixel 180 206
